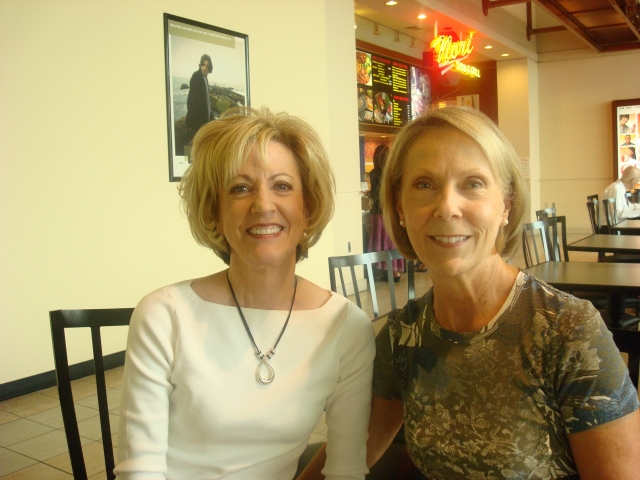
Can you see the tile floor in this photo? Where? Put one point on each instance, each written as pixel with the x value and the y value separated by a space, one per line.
pixel 32 441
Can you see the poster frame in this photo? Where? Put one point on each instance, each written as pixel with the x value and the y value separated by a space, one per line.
pixel 204 30
pixel 615 105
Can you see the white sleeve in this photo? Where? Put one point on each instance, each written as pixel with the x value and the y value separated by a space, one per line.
pixel 144 408
pixel 348 407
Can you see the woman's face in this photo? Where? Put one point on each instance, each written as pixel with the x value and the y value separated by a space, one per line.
pixel 451 203
pixel 262 212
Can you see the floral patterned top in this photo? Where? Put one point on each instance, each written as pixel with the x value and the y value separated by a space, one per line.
pixel 498 403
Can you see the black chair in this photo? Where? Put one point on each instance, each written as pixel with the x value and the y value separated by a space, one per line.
pixel 366 260
pixel 93 319
pixel 628 341
pixel 593 197
pixel 609 208
pixel 535 245
pixel 594 216
pixel 546 212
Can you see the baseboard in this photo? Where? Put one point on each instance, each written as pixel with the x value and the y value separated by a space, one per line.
pixel 48 379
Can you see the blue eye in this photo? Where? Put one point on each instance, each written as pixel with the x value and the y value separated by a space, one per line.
pixel 239 189
pixel 283 187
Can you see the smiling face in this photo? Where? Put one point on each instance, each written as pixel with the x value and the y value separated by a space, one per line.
pixel 262 214
pixel 451 203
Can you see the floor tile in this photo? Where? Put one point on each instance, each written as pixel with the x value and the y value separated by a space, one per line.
pixel 44 446
pixel 321 427
pixel 98 476
pixel 20 430
pixel 114 440
pixel 91 428
pixel 6 417
pixel 113 399
pixel 93 459
pixel 79 389
pixel 53 417
pixel 39 471
pixel 112 378
pixel 30 404
pixel 315 438
pixel 12 462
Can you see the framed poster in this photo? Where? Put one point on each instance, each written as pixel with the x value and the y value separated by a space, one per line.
pixel 626 121
pixel 206 73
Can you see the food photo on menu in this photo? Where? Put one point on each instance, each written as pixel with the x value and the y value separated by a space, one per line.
pixel 363 67
pixel 383 108
pixel 365 105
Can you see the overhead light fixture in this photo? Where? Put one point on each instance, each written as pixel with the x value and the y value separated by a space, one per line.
pixel 376 30
pixel 488 47
pixel 422 16
pixel 504 55
pixel 391 2
pixel 396 36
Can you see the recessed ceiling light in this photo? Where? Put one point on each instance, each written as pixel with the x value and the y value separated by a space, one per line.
pixel 504 55
pixel 422 16
pixel 488 47
pixel 391 2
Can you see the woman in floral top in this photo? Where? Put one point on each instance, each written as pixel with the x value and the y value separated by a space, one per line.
pixel 495 374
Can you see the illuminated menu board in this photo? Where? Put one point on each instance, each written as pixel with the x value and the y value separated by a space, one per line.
pixel 385 89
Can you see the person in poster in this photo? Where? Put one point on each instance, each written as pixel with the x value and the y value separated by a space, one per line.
pixel 623 124
pixel 627 141
pixel 199 100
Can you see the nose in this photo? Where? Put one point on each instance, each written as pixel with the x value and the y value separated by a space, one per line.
pixel 262 201
pixel 449 202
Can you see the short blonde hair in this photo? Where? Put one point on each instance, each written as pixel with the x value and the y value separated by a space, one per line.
pixel 502 158
pixel 221 147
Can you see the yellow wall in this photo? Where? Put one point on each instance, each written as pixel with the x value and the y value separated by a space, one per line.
pixel 575 129
pixel 88 218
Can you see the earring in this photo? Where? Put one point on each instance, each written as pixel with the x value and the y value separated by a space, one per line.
pixel 401 223
pixel 505 222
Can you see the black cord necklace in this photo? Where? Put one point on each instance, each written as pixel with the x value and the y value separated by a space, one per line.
pixel 271 374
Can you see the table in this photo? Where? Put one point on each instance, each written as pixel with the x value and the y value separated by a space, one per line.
pixel 608 243
pixel 614 279
pixel 627 227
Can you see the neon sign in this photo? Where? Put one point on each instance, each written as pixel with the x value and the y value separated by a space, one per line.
pixel 449 55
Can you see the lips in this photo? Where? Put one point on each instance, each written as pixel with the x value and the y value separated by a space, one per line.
pixel 449 239
pixel 267 230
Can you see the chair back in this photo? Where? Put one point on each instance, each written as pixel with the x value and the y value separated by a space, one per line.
pixel 628 341
pixel 556 230
pixel 609 208
pixel 546 212
pixel 545 241
pixel 366 260
pixel 593 197
pixel 535 244
pixel 93 319
pixel 594 216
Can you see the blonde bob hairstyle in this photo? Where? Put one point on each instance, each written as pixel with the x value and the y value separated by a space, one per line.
pixel 219 150
pixel 502 158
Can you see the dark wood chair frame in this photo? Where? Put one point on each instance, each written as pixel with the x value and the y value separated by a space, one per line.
pixel 546 212
pixel 95 320
pixel 367 260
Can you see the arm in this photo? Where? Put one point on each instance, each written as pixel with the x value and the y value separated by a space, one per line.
pixel 348 406
pixel 610 451
pixel 144 409
pixel 386 418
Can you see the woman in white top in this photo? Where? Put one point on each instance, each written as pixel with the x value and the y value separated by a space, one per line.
pixel 207 395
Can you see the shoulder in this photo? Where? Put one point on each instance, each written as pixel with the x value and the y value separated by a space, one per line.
pixel 162 304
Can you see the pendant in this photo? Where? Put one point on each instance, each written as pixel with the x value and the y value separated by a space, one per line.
pixel 271 374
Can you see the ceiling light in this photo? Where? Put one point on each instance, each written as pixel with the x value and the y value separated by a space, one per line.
pixel 504 55
pixel 391 2
pixel 396 37
pixel 376 30
pixel 422 16
pixel 488 47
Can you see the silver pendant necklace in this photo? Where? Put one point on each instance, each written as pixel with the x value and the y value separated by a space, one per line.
pixel 264 357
